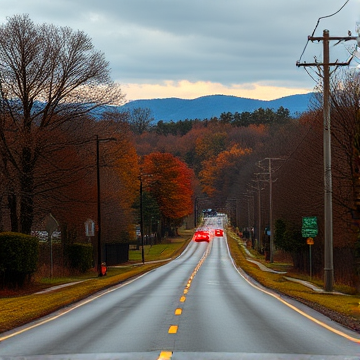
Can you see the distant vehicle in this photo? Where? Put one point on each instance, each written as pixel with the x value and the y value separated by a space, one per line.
pixel 209 212
pixel 219 232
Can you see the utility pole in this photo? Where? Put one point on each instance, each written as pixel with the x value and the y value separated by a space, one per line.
pixel 251 214
pixel 98 140
pixel 271 214
pixel 270 171
pixel 258 189
pixel 235 217
pixel 328 220
pixel 142 221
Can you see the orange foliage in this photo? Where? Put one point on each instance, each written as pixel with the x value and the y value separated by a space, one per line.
pixel 61 181
pixel 169 181
pixel 217 167
pixel 210 145
pixel 127 170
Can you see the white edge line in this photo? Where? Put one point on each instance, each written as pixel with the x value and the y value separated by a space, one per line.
pixel 73 307
pixel 276 296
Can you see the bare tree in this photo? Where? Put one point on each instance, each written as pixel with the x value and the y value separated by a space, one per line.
pixel 140 119
pixel 49 76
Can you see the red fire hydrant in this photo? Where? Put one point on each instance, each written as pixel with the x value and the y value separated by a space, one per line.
pixel 103 268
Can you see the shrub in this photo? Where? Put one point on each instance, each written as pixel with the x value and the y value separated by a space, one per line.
pixel 18 258
pixel 288 237
pixel 80 256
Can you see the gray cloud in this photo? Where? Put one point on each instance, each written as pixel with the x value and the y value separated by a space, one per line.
pixel 228 41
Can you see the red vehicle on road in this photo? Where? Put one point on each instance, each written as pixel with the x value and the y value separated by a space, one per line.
pixel 202 235
pixel 219 232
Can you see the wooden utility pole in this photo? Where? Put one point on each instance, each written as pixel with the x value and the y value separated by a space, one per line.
pixel 259 232
pixel 328 220
pixel 271 225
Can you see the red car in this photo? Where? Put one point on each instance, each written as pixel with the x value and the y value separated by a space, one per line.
pixel 201 235
pixel 219 232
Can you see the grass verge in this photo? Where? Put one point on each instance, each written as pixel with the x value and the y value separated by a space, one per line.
pixel 344 309
pixel 157 252
pixel 20 308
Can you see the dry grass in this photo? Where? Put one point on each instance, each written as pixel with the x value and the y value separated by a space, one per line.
pixel 18 307
pixel 19 310
pixel 335 306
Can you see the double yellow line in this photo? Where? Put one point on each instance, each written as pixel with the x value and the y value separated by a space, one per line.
pixel 166 355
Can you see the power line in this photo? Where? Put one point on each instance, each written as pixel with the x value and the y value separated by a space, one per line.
pixel 328 221
pixel 327 16
pixel 317 24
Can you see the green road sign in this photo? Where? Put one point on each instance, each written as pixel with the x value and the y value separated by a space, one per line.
pixel 309 227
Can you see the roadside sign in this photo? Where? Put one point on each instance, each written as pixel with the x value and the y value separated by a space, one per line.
pixel 89 228
pixel 309 227
pixel 310 241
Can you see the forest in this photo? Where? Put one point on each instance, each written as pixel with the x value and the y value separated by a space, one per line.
pixel 57 158
pixel 233 156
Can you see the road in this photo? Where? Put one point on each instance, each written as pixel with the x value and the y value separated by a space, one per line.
pixel 196 307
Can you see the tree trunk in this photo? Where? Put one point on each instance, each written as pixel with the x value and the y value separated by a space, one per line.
pixel 27 192
pixel 12 204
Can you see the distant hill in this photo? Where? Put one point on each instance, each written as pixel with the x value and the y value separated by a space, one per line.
pixel 206 107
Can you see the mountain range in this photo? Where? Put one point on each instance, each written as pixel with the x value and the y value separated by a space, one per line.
pixel 206 107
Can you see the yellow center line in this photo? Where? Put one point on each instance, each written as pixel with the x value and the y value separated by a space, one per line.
pixel 165 355
pixel 173 329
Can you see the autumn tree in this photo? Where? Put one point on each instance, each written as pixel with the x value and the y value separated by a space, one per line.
pixel 118 167
pixel 49 76
pixel 169 181
pixel 345 122
pixel 219 172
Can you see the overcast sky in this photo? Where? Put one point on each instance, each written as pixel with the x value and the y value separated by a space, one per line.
pixel 191 48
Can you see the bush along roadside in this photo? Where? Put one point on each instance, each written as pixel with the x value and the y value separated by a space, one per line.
pixel 18 258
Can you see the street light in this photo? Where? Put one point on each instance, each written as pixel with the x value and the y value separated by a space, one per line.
pixel 98 140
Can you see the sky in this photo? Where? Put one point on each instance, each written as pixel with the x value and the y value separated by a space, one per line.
pixel 192 48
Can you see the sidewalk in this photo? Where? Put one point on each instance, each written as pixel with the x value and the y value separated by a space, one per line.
pixel 58 287
pixel 265 268
pixel 302 282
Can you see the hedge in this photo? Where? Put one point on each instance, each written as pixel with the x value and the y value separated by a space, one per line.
pixel 80 256
pixel 18 258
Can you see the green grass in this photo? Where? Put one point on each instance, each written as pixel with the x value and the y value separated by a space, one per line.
pixel 156 252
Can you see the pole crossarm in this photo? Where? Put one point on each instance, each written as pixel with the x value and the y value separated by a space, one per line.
pixel 322 64
pixel 329 38
pixel 338 38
